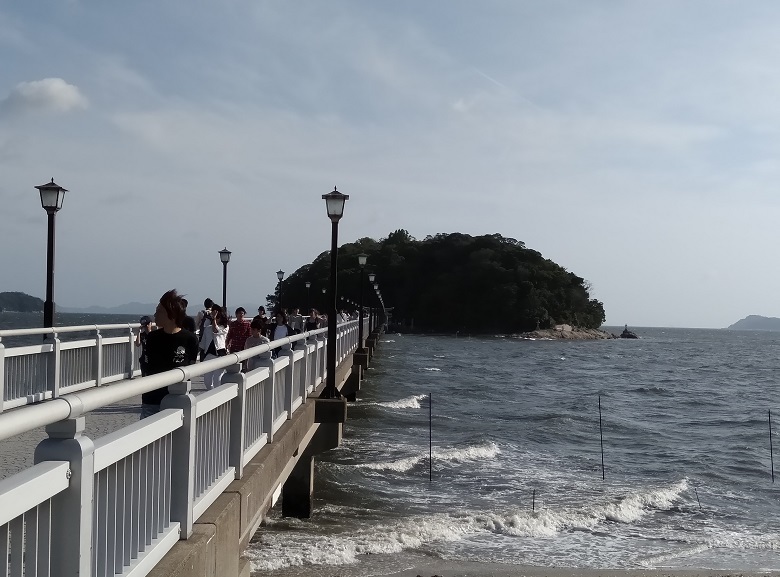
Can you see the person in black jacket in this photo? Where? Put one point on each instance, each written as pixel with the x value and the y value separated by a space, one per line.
pixel 169 347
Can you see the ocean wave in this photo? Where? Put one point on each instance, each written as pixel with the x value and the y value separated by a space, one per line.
pixel 431 369
pixel 486 452
pixel 549 522
pixel 281 549
pixel 285 549
pixel 388 341
pixel 412 402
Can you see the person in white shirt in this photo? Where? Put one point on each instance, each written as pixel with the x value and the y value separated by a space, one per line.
pixel 213 339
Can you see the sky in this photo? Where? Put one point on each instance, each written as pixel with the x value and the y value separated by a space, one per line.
pixel 634 143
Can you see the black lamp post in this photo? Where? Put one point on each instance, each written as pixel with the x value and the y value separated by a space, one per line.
pixel 52 196
pixel 334 202
pixel 280 276
pixel 362 258
pixel 308 296
pixel 379 298
pixel 224 257
pixel 371 278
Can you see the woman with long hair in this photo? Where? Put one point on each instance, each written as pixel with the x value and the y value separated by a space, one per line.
pixel 216 347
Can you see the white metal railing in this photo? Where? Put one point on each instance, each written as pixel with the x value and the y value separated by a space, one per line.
pixel 122 502
pixel 32 373
pixel 25 518
pixel 131 520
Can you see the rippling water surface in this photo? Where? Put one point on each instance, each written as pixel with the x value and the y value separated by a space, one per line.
pixel 517 465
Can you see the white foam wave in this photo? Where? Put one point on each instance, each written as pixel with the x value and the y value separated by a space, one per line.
pixel 458 455
pixel 388 341
pixel 440 356
pixel 286 549
pixel 278 550
pixel 548 522
pixel 431 369
pixel 412 402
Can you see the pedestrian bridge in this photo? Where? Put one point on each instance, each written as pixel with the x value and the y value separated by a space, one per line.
pixel 178 493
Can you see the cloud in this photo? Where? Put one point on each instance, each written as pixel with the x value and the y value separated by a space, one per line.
pixel 47 95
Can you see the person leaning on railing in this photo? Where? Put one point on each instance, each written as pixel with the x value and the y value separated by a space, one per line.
pixel 168 347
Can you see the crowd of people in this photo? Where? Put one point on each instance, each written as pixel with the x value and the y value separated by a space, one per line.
pixel 175 339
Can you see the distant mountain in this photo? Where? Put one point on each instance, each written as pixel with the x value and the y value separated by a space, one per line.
pixel 126 309
pixel 757 323
pixel 20 303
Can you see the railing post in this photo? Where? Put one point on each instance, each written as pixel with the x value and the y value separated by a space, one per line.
pixel 129 360
pixel 53 367
pixel 97 358
pixel 268 402
pixel 289 384
pixel 2 374
pixel 71 510
pixel 237 418
pixel 183 456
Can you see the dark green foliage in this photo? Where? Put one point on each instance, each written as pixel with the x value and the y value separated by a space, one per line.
pixel 455 282
pixel 20 302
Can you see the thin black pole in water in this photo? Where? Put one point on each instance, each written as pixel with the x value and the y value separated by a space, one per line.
pixel 771 454
pixel 430 437
pixel 697 496
pixel 533 501
pixel 601 434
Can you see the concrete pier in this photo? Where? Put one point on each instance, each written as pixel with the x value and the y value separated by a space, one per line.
pixel 282 470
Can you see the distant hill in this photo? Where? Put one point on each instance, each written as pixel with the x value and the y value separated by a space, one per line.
pixel 133 308
pixel 20 303
pixel 757 323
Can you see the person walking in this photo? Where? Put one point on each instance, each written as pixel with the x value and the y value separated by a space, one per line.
pixel 215 330
pixel 280 330
pixel 167 348
pixel 257 339
pixel 238 331
pixel 140 341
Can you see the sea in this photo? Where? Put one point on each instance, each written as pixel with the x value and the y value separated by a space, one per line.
pixel 632 454
pixel 652 453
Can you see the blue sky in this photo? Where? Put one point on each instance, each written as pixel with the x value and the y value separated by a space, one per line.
pixel 634 143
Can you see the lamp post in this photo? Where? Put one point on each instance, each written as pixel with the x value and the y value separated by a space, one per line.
pixel 308 295
pixel 52 196
pixel 280 276
pixel 371 278
pixel 379 298
pixel 362 258
pixel 224 257
pixel 334 203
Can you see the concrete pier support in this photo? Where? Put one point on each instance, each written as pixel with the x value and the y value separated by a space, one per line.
pixel 298 489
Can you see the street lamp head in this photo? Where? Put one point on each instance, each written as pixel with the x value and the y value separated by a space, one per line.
pixel 308 284
pixel 376 286
pixel 280 274
pixel 323 291
pixel 371 277
pixel 334 202
pixel 52 195
pixel 362 258
pixel 224 255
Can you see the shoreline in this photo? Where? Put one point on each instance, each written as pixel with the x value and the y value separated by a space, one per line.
pixel 442 568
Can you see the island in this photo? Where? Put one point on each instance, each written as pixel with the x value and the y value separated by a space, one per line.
pixel 451 283
pixel 756 323
pixel 19 302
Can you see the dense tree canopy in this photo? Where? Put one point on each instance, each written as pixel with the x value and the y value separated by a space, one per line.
pixel 451 282
pixel 20 302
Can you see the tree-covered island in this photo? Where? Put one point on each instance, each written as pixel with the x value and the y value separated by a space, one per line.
pixel 455 282
pixel 19 302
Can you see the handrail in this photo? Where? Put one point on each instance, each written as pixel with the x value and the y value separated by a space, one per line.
pixel 75 404
pixel 69 329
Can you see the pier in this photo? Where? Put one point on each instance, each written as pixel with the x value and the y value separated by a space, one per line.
pixel 178 493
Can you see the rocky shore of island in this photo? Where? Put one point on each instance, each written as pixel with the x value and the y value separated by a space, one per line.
pixel 566 332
